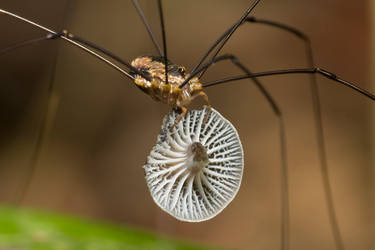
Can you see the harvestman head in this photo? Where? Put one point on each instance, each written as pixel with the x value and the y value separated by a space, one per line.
pixel 169 83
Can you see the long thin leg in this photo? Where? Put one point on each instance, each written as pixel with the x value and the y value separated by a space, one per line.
pixel 104 51
pixel 323 152
pixel 317 114
pixel 285 215
pixel 294 31
pixel 28 42
pixel 165 57
pixel 77 44
pixel 314 70
pixel 323 156
pixel 225 37
pixel 48 117
pixel 225 34
pixel 319 71
pixel 247 20
pixel 324 170
pixel 79 40
pixel 147 25
pixel 318 124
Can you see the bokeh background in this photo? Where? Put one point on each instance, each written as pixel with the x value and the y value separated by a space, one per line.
pixel 103 127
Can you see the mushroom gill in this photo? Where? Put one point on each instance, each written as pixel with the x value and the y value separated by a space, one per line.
pixel 195 169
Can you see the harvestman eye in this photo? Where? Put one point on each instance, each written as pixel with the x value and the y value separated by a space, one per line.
pixel 195 169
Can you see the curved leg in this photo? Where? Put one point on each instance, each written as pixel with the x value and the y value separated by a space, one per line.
pixel 147 26
pixel 251 19
pixel 284 166
pixel 46 123
pixel 221 41
pixel 311 71
pixel 205 98
pixel 318 126
pixel 182 115
pixel 29 42
pixel 317 116
pixel 164 39
pixel 77 41
pixel 48 118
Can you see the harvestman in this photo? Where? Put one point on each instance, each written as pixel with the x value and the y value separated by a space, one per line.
pixel 171 84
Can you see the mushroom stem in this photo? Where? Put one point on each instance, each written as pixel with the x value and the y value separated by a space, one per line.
pixel 197 157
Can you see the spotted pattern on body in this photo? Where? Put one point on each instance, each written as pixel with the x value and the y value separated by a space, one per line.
pixel 171 94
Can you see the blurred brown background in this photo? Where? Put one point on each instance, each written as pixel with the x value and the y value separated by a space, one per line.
pixel 91 163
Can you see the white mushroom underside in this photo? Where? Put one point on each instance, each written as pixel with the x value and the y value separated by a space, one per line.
pixel 195 195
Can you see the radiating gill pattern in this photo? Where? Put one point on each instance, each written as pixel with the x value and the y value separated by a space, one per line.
pixel 195 169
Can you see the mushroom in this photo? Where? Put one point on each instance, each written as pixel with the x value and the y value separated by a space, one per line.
pixel 195 169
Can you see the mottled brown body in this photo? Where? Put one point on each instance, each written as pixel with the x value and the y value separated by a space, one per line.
pixel 170 93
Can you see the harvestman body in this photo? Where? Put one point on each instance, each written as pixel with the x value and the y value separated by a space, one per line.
pixel 170 84
pixel 165 91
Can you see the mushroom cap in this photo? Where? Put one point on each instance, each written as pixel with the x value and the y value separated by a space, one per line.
pixel 195 169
